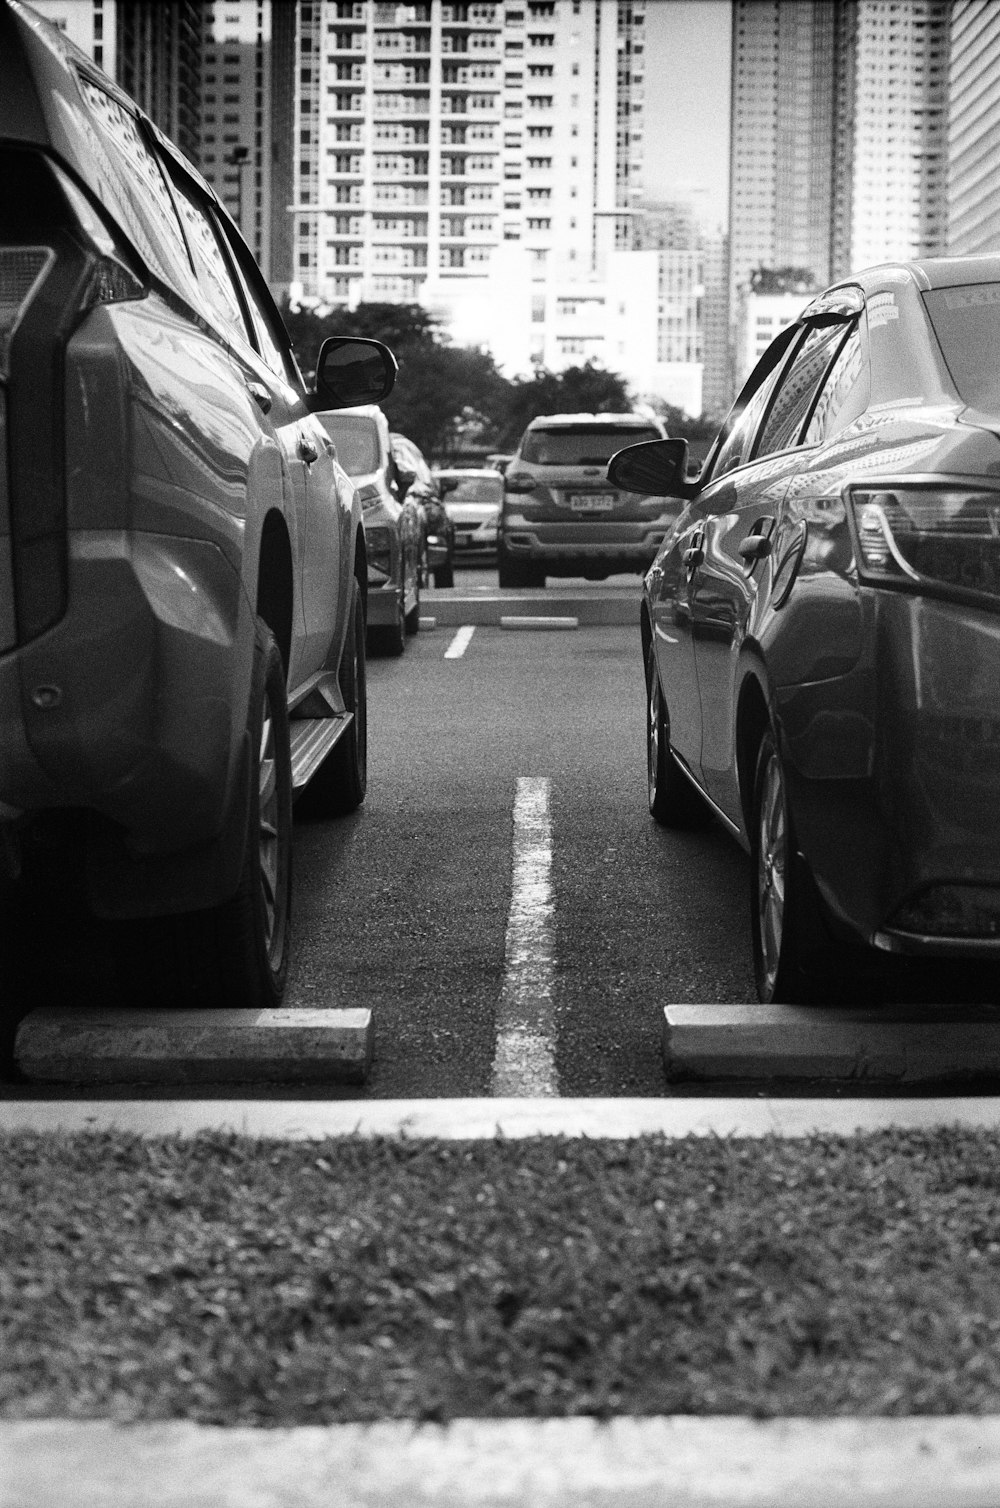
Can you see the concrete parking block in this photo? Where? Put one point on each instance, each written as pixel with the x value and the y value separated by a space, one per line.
pixel 599 608
pixel 67 1046
pixel 904 1045
pixel 426 624
pixel 548 620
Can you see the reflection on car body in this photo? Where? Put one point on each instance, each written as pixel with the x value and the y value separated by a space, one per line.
pixel 821 630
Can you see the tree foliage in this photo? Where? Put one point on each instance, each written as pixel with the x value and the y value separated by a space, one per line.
pixel 452 399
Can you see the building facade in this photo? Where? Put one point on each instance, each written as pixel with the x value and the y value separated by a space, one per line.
pixel 469 156
pixel 974 129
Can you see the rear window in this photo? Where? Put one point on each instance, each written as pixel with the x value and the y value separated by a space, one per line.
pixel 967 324
pixel 477 489
pixel 356 440
pixel 581 446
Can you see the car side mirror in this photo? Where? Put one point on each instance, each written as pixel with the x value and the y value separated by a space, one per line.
pixel 352 370
pixel 447 484
pixel 656 468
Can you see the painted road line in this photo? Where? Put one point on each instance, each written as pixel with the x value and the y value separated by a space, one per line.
pixel 512 1118
pixel 524 1056
pixel 283 1046
pixel 460 643
pixel 545 622
pixel 673 1462
pixel 911 1044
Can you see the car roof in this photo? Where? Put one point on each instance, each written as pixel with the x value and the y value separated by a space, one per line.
pixel 557 421
pixel 475 471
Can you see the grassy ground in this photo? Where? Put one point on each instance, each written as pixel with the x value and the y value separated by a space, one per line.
pixel 229 1280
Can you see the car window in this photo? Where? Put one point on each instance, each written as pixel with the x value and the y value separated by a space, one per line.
pixel 477 489
pixel 795 393
pixel 736 446
pixel 268 329
pixel 213 270
pixel 135 188
pixel 581 445
pixel 356 439
pixel 966 322
pixel 844 396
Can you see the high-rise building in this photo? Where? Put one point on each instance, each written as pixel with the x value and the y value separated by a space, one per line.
pixel 158 56
pixel 974 129
pixel 88 23
pixel 476 156
pixel 839 122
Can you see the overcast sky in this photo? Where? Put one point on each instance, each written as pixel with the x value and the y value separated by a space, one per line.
pixel 687 103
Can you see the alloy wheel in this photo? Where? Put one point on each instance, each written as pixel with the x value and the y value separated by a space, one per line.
pixel 772 865
pixel 268 836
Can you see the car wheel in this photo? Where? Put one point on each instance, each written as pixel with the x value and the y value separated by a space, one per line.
pixel 792 963
pixel 391 638
pixel 340 783
pixel 234 954
pixel 518 573
pixel 445 575
pixel 673 800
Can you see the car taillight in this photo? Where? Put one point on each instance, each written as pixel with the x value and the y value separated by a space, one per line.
pixel 22 272
pixel 111 279
pixel 929 536
pixel 519 481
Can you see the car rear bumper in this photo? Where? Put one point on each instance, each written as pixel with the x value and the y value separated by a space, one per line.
pixel 633 543
pixel 383 604
pixel 134 705
pixel 894 774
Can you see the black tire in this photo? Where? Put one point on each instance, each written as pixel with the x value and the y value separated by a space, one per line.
pixel 791 953
pixel 444 576
pixel 390 639
pixel 673 800
pixel 234 954
pixel 340 783
pixel 518 573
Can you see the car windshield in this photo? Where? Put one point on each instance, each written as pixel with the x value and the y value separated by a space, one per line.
pixel 583 446
pixel 967 324
pixel 356 440
pixel 477 489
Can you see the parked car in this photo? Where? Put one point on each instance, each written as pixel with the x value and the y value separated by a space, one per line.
pixel 182 561
pixel 821 630
pixel 420 483
pixel 394 530
pixel 561 518
pixel 473 499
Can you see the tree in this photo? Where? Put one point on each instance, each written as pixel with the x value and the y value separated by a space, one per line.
pixel 768 280
pixel 587 389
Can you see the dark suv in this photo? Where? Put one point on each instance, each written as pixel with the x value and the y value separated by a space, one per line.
pixel 561 516
pixel 182 560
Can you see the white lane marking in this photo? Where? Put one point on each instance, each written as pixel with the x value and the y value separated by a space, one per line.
pixel 524 1056
pixel 460 643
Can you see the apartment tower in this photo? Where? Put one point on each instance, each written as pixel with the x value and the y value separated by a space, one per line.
pixel 974 129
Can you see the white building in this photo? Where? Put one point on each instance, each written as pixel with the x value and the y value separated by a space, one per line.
pixel 459 154
pixel 759 318
pixel 974 129
pixel 91 24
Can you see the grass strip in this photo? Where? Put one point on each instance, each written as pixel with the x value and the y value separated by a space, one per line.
pixel 229 1280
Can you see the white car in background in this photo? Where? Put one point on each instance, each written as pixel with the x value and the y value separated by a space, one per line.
pixel 473 499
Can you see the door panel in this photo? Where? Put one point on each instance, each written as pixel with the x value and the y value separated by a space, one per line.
pixel 670 603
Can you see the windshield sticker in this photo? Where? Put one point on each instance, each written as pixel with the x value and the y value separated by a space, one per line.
pixel 881 309
pixel 971 298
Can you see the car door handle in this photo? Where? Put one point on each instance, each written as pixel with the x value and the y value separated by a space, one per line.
pixel 307 450
pixel 694 555
pixel 260 396
pixel 754 547
pixel 757 544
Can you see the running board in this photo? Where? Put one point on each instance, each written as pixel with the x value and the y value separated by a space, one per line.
pixel 312 740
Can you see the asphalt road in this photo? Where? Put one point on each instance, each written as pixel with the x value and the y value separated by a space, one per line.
pixel 404 906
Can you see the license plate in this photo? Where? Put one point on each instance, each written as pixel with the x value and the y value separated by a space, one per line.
pixel 592 502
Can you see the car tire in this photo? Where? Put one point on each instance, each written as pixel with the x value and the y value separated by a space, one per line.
pixel 340 783
pixel 518 573
pixel 444 576
pixel 234 954
pixel 391 638
pixel 673 800
pixel 791 952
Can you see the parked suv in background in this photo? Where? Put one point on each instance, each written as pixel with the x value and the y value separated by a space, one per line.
pixel 182 561
pixel 560 515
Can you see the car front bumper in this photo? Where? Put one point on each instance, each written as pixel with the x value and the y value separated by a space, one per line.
pixel 633 543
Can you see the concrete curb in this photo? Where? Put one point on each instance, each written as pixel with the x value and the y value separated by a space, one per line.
pixel 618 606
pixel 66 1046
pixel 904 1045
pixel 542 621
pixel 486 1119
pixel 679 1462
